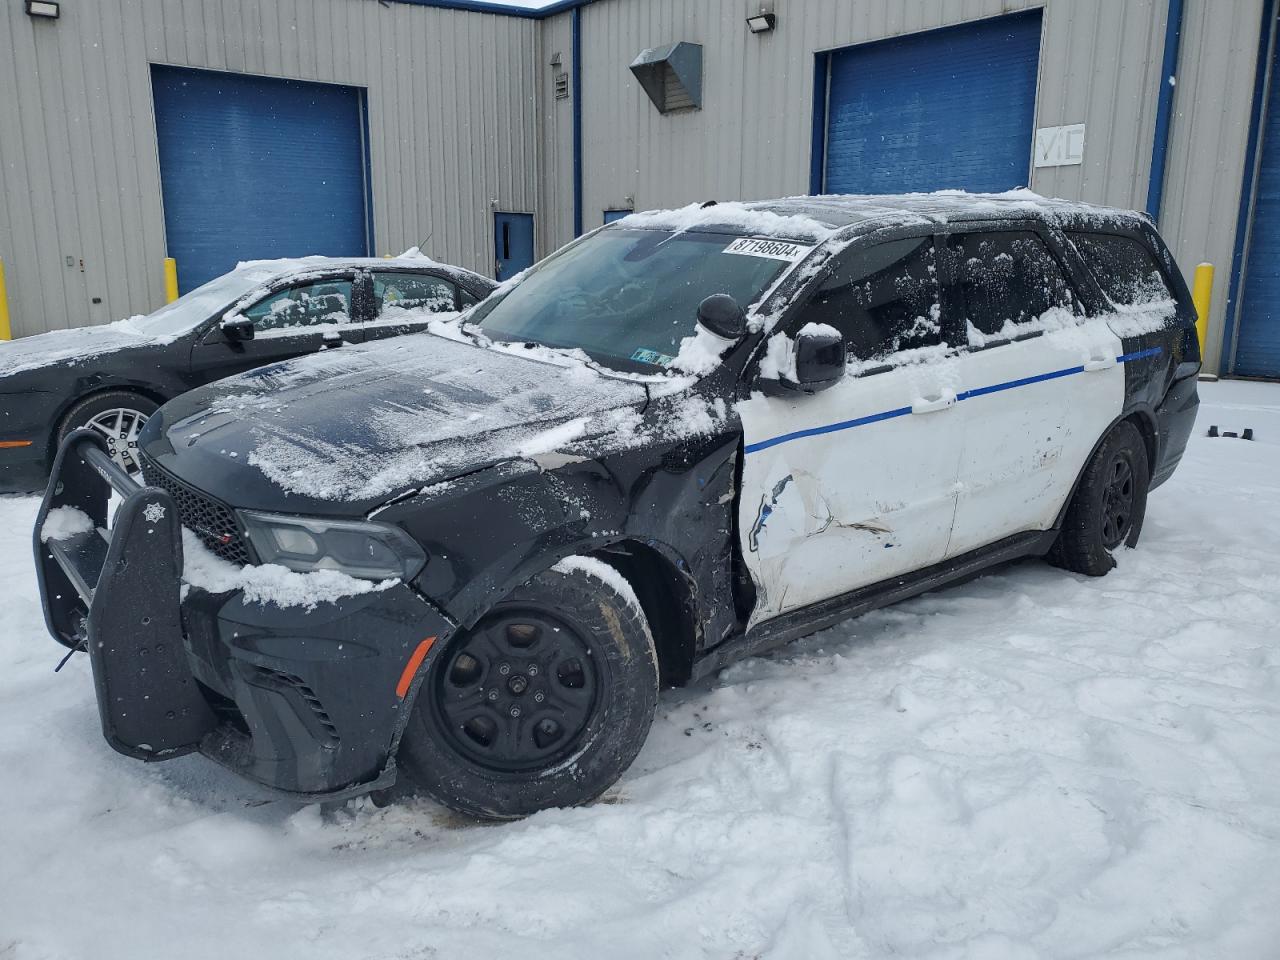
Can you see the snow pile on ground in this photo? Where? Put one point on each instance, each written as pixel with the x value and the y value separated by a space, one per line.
pixel 269 582
pixel 1034 764
pixel 63 523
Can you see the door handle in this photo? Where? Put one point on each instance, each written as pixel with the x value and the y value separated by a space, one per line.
pixel 934 404
pixel 1093 366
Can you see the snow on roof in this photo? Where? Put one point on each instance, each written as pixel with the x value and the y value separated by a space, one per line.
pixel 732 218
pixel 266 270
pixel 818 217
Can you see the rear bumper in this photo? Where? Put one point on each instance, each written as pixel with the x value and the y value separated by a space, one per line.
pixel 1176 417
pixel 305 703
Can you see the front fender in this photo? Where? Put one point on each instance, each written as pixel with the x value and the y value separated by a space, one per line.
pixel 492 530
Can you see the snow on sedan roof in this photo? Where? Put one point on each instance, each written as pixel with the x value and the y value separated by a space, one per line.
pixel 265 270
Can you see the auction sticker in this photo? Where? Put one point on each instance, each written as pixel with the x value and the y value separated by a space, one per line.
pixel 772 249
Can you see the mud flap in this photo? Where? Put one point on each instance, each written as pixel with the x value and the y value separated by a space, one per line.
pixel 148 700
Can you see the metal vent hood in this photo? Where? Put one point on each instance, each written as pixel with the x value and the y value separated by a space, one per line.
pixel 671 75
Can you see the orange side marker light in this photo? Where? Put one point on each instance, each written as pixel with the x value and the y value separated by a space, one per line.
pixel 10 444
pixel 411 668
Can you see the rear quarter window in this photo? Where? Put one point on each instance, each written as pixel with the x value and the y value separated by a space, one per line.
pixel 1125 269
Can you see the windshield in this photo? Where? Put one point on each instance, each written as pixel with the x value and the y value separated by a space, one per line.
pixel 628 297
pixel 193 308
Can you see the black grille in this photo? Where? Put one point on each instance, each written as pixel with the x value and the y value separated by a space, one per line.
pixel 210 520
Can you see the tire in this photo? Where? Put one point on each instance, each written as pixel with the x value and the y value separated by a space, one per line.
pixel 571 654
pixel 1108 506
pixel 122 413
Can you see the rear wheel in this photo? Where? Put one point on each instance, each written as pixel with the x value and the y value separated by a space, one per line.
pixel 1108 506
pixel 544 703
pixel 119 415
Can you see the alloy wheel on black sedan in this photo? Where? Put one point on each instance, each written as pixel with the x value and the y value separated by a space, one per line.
pixel 120 427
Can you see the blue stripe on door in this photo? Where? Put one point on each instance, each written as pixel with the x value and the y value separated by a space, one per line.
pixel 966 395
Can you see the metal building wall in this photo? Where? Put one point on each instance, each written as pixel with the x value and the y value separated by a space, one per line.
pixel 453 117
pixel 554 224
pixel 1209 138
pixel 1099 65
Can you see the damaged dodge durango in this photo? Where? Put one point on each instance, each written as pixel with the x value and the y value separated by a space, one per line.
pixel 464 562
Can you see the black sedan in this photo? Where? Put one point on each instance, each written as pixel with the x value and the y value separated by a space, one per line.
pixel 111 378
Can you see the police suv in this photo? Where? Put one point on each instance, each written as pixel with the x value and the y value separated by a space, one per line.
pixel 467 559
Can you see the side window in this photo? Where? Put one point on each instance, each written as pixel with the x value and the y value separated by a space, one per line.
pixel 414 291
pixel 883 299
pixel 465 299
pixel 1007 278
pixel 1125 269
pixel 306 305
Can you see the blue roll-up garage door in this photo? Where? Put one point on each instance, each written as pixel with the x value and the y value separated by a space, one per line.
pixel 1257 347
pixel 949 108
pixel 258 167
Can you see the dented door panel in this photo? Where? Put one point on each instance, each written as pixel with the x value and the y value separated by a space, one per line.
pixel 847 487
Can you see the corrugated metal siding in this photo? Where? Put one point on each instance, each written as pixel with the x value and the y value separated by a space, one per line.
pixel 1209 138
pixel 554 223
pixel 463 118
pixel 1099 66
pixel 453 117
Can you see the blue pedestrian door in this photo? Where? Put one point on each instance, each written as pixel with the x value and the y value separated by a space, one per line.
pixel 1257 346
pixel 512 244
pixel 948 108
pixel 257 167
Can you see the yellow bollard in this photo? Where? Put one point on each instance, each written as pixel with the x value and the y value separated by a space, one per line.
pixel 1201 292
pixel 170 279
pixel 6 331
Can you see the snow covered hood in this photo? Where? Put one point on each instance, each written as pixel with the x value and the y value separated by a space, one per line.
pixel 66 346
pixel 359 424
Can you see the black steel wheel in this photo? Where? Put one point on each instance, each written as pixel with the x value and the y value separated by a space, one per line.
pixel 1117 500
pixel 518 691
pixel 543 703
pixel 1108 506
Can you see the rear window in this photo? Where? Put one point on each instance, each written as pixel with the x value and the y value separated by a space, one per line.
pixel 1125 269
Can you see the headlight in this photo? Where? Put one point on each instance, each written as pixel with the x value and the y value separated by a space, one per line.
pixel 358 548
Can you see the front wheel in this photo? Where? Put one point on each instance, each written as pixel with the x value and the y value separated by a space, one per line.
pixel 1108 506
pixel 543 703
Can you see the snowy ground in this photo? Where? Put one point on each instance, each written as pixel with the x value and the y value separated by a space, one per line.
pixel 1034 764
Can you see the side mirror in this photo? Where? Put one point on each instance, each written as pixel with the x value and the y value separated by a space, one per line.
pixel 816 361
pixel 722 315
pixel 237 327
pixel 820 357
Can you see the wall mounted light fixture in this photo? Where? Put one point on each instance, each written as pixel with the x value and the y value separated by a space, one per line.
pixel 42 8
pixel 762 22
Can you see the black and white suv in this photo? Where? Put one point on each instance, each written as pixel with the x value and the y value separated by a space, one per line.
pixel 682 439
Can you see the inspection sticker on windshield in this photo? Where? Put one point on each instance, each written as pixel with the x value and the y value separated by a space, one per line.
pixel 652 357
pixel 773 249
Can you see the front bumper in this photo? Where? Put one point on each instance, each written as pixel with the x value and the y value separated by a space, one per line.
pixel 25 417
pixel 307 703
pixel 23 469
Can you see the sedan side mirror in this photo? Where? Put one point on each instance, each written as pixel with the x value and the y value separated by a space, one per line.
pixel 722 315
pixel 237 328
pixel 815 361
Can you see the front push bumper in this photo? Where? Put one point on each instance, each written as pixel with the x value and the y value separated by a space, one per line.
pixel 310 704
